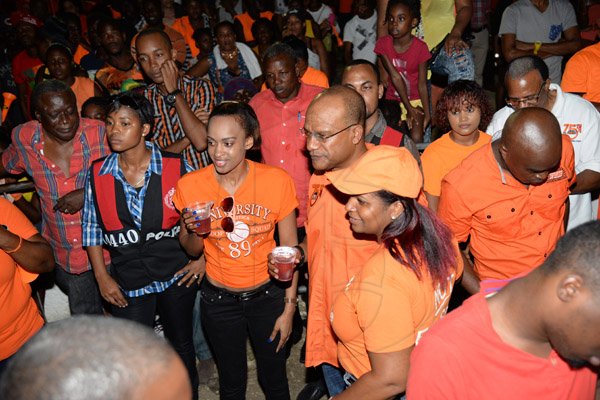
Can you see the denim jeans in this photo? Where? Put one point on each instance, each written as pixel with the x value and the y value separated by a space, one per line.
pixel 174 306
pixel 458 65
pixel 227 324
pixel 200 344
pixel 82 291
pixel 334 379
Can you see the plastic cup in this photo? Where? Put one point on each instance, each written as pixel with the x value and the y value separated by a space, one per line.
pixel 201 209
pixel 284 258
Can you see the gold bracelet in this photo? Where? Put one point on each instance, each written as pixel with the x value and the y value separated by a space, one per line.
pixel 290 301
pixel 16 248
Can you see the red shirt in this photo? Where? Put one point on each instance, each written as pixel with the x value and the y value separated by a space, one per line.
pixel 283 144
pixel 25 154
pixel 462 357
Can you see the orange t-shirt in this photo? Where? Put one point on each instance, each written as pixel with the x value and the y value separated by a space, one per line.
pixel 267 195
pixel 335 254
pixel 83 89
pixel 19 316
pixel 315 77
pixel 513 228
pixel 247 22
pixel 442 156
pixel 386 308
pixel 80 52
pixel 582 73
pixel 183 26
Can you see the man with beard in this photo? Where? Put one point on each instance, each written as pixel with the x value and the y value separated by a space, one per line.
pixel 534 339
pixel 510 197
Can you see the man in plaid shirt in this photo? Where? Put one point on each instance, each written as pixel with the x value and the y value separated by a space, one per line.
pixel 56 150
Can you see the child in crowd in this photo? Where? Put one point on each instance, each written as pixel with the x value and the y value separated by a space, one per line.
pixel 405 60
pixel 465 110
pixel 95 108
pixel 60 65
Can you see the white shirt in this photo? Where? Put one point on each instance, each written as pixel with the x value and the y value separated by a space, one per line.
pixel 580 120
pixel 362 33
pixel 322 14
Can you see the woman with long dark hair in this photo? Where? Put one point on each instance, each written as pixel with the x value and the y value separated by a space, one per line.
pixel 404 288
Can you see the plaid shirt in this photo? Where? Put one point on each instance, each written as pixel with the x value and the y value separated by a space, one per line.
pixel 200 95
pixel 26 155
pixel 481 8
pixel 92 231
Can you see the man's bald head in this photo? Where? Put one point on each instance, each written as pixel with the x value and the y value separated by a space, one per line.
pixel 93 358
pixel 531 145
pixel 335 126
pixel 347 99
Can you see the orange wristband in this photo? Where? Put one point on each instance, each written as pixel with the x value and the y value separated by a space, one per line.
pixel 16 248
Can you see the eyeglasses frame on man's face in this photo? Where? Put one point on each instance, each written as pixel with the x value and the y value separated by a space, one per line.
pixel 528 101
pixel 322 139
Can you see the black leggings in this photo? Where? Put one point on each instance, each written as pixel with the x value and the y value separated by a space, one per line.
pixel 174 306
pixel 228 322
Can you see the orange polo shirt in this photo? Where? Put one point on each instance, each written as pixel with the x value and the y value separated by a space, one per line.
pixel 512 227
pixel 238 259
pixel 247 22
pixel 582 72
pixel 335 254
pixel 386 308
pixel 283 144
pixel 83 89
pixel 183 26
pixel 80 52
pixel 19 315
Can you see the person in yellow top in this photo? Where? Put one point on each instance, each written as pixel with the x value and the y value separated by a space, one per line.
pixel 464 110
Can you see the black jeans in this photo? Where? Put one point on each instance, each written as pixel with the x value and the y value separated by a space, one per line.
pixel 227 323
pixel 174 306
pixel 82 291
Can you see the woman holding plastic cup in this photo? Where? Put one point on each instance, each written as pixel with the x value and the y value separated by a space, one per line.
pixel 404 287
pixel 128 211
pixel 249 200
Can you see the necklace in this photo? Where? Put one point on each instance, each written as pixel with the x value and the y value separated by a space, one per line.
pixel 229 55
pixel 140 181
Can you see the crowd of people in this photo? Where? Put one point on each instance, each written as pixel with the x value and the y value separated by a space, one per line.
pixel 172 146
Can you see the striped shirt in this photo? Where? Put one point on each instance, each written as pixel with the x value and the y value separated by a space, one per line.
pixel 26 155
pixel 92 232
pixel 200 95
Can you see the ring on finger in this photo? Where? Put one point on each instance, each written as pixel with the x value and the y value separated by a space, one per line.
pixel 196 276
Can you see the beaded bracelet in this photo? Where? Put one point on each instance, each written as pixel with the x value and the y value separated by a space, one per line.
pixel 16 248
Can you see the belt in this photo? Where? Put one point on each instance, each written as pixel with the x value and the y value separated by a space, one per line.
pixel 477 30
pixel 242 296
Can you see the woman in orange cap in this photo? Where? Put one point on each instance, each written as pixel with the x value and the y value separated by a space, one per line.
pixel 404 288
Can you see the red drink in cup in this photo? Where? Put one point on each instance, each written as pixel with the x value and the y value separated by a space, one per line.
pixel 284 258
pixel 201 211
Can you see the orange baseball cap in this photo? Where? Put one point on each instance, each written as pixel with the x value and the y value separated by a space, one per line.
pixel 381 168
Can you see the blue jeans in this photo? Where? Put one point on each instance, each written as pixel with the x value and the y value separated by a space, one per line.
pixel 82 291
pixel 334 379
pixel 458 65
pixel 200 344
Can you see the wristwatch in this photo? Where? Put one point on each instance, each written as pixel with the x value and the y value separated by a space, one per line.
pixel 171 97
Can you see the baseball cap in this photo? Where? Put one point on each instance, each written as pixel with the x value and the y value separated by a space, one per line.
pixel 381 168
pixel 19 16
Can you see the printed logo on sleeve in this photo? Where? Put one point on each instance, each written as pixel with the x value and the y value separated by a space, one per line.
pixel 572 130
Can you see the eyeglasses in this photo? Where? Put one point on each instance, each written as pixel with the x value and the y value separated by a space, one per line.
pixel 321 138
pixel 227 223
pixel 527 101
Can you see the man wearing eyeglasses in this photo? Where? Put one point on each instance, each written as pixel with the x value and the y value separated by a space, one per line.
pixel 335 139
pixel 527 85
